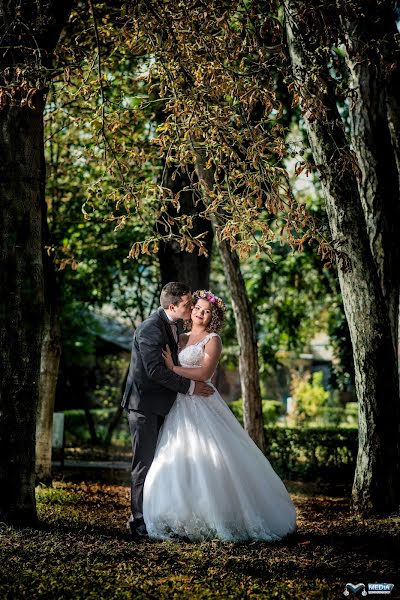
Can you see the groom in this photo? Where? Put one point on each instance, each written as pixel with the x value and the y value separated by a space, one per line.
pixel 151 388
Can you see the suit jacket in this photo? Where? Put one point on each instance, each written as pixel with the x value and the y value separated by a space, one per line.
pixel 150 386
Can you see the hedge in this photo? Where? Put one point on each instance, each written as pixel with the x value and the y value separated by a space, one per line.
pixel 327 453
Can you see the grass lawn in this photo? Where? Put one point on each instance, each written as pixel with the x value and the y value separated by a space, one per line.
pixel 81 549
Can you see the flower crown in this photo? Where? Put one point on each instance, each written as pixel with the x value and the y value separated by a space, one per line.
pixel 210 297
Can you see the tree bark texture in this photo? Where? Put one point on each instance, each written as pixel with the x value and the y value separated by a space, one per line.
pixel 21 289
pixel 29 36
pixel 376 483
pixel 49 365
pixel 175 264
pixel 375 84
pixel 248 355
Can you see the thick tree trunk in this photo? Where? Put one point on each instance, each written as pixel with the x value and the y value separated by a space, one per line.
pixel 372 80
pixel 178 265
pixel 21 289
pixel 30 31
pixel 248 356
pixel 376 483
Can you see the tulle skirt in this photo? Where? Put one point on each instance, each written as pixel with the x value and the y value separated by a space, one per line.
pixel 209 480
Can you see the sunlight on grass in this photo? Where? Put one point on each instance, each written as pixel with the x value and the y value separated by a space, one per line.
pixel 51 495
pixel 81 549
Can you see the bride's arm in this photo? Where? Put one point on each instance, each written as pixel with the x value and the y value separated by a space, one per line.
pixel 212 352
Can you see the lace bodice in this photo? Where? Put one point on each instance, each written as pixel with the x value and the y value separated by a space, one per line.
pixel 192 355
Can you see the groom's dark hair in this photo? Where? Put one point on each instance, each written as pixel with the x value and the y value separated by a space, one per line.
pixel 172 293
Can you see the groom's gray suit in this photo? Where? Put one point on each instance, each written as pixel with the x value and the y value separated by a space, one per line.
pixel 150 392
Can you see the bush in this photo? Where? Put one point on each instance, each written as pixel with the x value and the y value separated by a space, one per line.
pixel 77 431
pixel 350 416
pixel 310 452
pixel 320 453
pixel 309 397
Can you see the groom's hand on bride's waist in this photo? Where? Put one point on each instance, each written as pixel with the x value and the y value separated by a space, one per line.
pixel 203 389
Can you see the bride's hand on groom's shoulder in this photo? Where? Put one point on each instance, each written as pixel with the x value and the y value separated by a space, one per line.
pixel 167 356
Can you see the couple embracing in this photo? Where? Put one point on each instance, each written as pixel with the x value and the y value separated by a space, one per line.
pixel 196 474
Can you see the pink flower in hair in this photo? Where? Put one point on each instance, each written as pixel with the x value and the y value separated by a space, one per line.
pixel 210 297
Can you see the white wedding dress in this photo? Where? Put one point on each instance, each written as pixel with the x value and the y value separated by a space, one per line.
pixel 208 479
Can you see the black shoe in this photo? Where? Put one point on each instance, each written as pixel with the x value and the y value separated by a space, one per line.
pixel 138 530
pixel 141 531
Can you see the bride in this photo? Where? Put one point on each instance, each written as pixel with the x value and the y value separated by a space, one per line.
pixel 208 479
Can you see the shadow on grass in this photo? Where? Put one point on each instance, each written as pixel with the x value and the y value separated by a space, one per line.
pixel 81 549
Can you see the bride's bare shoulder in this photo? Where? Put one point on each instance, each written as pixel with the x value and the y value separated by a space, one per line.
pixel 213 340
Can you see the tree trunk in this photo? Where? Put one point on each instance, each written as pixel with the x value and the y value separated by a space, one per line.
pixel 178 265
pixel 372 80
pixel 376 483
pixel 245 330
pixel 21 147
pixel 248 356
pixel 21 269
pixel 50 360
pixel 91 425
pixel 113 425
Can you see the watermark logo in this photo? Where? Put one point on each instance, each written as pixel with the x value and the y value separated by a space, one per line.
pixel 355 588
pixel 372 588
pixel 380 588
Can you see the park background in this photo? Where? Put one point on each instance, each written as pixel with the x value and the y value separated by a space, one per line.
pixel 250 148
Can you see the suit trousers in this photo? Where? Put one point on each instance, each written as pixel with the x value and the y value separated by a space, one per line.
pixel 144 428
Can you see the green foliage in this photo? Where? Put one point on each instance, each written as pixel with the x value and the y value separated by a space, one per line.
pixel 57 496
pixel 86 143
pixel 351 413
pixel 272 410
pixel 110 372
pixel 79 329
pixel 309 453
pixel 308 396
pixel 339 335
pixel 336 415
pixel 320 453
pixel 100 123
pixel 77 431
pixel 104 188
pixel 291 296
pixel 101 160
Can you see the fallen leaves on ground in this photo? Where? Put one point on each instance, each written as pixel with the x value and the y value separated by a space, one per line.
pixel 81 549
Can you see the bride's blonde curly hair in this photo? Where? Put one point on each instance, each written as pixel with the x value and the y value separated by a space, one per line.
pixel 217 306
